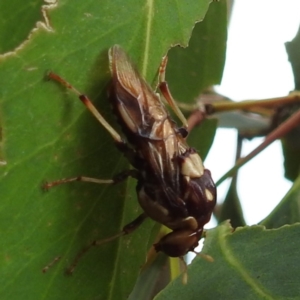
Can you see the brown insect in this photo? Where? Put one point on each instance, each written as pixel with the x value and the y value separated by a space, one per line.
pixel 173 187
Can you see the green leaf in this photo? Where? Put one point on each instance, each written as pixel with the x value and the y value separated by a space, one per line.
pixel 201 64
pixel 291 144
pixel 231 207
pixel 292 49
pixel 12 35
pixel 46 134
pixel 152 279
pixel 202 137
pixel 287 211
pixel 250 263
pixel 245 123
pixel 290 148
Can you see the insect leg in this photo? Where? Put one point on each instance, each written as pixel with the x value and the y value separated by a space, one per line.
pixel 87 102
pixel 54 261
pixel 127 229
pixel 116 179
pixel 163 86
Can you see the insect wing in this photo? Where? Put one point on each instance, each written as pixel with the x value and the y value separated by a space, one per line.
pixel 139 106
pixel 148 127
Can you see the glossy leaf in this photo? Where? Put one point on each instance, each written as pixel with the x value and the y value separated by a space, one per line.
pixel 231 208
pixel 201 64
pixel 292 49
pixel 202 136
pixel 291 148
pixel 12 36
pixel 267 268
pixel 287 211
pixel 291 144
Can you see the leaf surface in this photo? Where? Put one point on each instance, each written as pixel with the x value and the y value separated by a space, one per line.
pixel 46 134
pixel 250 263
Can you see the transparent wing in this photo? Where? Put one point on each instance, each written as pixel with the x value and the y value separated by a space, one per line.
pixel 149 126
pixel 139 105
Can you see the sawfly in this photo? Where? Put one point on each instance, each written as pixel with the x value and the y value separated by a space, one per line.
pixel 173 187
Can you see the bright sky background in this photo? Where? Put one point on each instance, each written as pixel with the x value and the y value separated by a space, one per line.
pixel 256 67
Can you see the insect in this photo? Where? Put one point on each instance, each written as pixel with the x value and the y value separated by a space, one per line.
pixel 173 187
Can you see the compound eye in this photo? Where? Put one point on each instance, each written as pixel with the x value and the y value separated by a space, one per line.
pixel 183 132
pixel 178 243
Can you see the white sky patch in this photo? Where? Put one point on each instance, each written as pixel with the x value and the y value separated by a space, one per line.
pixel 257 67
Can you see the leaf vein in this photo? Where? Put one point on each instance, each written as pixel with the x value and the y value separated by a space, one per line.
pixel 239 268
